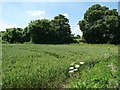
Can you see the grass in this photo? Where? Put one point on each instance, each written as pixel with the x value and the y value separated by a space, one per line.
pixel 104 74
pixel 46 66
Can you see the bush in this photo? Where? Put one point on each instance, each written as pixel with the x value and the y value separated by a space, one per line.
pixel 5 42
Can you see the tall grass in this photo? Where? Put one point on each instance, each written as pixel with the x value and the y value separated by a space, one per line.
pixel 45 66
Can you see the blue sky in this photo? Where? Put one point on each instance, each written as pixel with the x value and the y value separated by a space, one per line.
pixel 19 14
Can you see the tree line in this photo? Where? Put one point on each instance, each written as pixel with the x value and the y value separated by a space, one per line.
pixel 99 25
pixel 56 31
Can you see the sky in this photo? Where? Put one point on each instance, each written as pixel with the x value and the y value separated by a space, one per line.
pixel 19 14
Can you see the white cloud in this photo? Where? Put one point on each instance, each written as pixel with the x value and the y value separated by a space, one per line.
pixel 76 30
pixel 65 14
pixel 3 26
pixel 36 13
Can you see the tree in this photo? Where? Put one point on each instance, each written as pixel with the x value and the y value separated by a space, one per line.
pixel 54 31
pixel 13 35
pixel 61 28
pixel 39 31
pixel 26 35
pixel 100 25
pixel 116 34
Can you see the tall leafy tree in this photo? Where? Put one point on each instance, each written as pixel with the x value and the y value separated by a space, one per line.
pixel 62 29
pixel 100 25
pixel 39 31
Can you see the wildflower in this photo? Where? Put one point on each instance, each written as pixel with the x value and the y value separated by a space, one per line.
pixel 77 66
pixel 82 62
pixel 71 71
pixel 71 68
pixel 75 69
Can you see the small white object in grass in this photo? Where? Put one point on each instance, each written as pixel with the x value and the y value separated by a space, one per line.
pixel 71 71
pixel 77 66
pixel 63 85
pixel 71 68
pixel 82 62
pixel 75 69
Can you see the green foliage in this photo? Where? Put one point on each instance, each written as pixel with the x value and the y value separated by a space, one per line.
pixel 26 35
pixel 4 42
pixel 40 66
pixel 39 31
pixel 62 30
pixel 56 31
pixel 100 25
pixel 13 35
pixel 105 74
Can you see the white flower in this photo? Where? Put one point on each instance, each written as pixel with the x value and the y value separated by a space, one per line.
pixel 71 71
pixel 71 68
pixel 75 69
pixel 77 66
pixel 82 62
